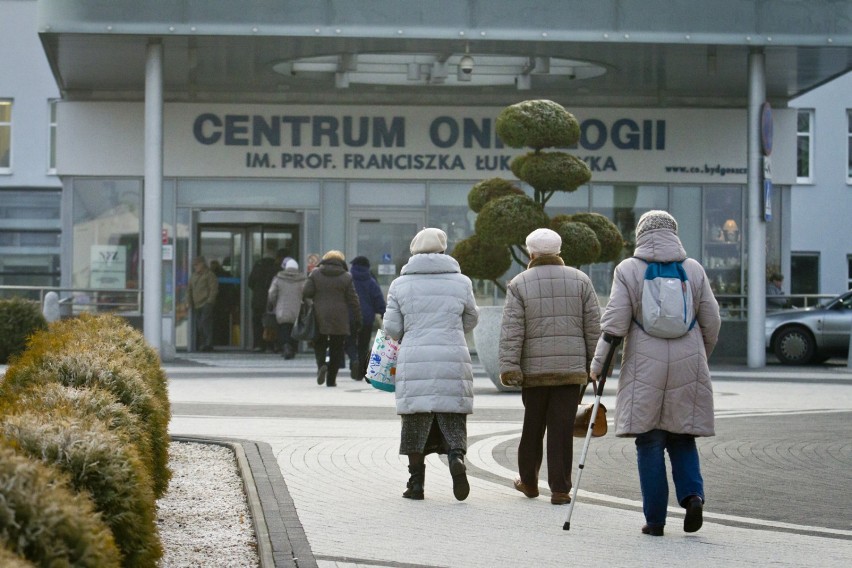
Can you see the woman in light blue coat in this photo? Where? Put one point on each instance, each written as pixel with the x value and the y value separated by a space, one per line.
pixel 430 307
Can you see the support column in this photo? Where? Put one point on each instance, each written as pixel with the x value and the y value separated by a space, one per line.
pixel 152 248
pixel 756 225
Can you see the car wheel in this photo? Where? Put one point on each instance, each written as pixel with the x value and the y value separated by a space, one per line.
pixel 794 346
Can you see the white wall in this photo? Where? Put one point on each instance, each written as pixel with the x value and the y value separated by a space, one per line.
pixel 822 211
pixel 26 78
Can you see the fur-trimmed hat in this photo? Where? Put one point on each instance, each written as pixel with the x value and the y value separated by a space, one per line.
pixel 429 240
pixel 544 241
pixel 655 219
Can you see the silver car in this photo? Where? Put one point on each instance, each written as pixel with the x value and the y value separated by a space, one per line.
pixel 811 335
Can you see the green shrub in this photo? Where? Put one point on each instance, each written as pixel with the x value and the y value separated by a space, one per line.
pixel 486 190
pixel 537 124
pixel 51 359
pixel 54 398
pixel 19 319
pixel 508 220
pixel 579 244
pixel 99 462
pixel 9 559
pixel 44 521
pixel 479 259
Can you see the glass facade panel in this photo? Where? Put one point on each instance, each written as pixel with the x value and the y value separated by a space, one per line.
pixel 106 245
pixel 448 211
pixel 387 194
pixel 849 147
pixel 723 230
pixel 29 237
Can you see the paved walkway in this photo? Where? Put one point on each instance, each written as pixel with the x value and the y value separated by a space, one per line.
pixel 329 477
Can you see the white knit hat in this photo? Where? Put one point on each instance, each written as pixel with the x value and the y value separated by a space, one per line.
pixel 544 241
pixel 429 240
pixel 291 264
pixel 655 219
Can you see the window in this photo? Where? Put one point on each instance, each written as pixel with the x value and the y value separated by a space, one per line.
pixel 804 275
pixel 51 137
pixel 804 146
pixel 5 135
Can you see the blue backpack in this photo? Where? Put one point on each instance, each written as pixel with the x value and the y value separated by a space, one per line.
pixel 667 307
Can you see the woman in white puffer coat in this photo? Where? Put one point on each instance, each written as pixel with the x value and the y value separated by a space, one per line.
pixel 430 307
pixel 664 397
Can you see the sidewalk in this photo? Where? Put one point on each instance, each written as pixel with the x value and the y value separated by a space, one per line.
pixel 328 475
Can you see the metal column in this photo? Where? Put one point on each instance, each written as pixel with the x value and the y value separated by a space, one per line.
pixel 152 250
pixel 756 225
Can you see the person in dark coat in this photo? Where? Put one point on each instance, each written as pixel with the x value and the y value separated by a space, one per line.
pixel 260 278
pixel 331 288
pixel 372 303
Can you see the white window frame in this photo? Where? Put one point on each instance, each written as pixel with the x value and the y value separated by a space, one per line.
pixel 51 136
pixel 10 102
pixel 849 146
pixel 809 136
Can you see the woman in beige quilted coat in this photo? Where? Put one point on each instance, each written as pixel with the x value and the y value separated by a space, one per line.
pixel 551 322
pixel 664 397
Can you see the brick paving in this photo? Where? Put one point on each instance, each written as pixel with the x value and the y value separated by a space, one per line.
pixel 327 470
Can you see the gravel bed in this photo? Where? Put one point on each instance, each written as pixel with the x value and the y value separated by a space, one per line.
pixel 204 518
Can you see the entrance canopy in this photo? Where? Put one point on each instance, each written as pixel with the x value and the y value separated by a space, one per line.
pixel 653 53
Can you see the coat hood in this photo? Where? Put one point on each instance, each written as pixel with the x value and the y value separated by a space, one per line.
pixel 430 263
pixel 660 245
pixel 332 267
pixel 360 272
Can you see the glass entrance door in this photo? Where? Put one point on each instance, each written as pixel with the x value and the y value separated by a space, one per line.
pixel 384 239
pixel 232 251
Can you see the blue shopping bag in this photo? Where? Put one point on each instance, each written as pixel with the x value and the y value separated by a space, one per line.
pixel 381 370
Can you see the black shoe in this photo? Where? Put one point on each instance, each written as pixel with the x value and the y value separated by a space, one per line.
pixel 694 514
pixel 353 370
pixel 461 487
pixel 653 531
pixel 414 487
pixel 321 372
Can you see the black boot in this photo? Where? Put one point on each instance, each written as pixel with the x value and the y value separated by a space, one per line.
pixel 415 482
pixel 461 488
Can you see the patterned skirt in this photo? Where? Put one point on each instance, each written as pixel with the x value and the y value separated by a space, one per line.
pixel 433 432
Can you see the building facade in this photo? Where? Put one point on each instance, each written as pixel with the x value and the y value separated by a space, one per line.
pixel 821 240
pixel 312 126
pixel 30 190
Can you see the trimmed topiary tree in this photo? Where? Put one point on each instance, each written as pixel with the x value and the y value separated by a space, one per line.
pixel 19 319
pixel 506 215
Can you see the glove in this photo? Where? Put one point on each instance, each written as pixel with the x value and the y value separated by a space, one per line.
pixel 512 379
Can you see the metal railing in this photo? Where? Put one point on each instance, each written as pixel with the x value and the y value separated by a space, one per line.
pixel 735 306
pixel 73 301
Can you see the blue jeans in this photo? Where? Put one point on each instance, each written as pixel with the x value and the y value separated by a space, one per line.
pixel 686 471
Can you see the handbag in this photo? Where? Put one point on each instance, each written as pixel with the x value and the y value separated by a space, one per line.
pixel 305 328
pixel 381 369
pixel 584 416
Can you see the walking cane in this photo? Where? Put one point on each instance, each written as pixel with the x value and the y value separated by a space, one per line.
pixel 613 345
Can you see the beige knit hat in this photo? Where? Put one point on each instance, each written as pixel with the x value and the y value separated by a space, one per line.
pixel 655 219
pixel 544 241
pixel 429 240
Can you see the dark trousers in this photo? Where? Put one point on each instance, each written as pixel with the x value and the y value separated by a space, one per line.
pixel 287 346
pixel 257 327
pixel 204 326
pixel 364 343
pixel 334 344
pixel 550 409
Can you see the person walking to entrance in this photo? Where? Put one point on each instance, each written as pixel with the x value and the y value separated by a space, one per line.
pixel 285 299
pixel 260 278
pixel 430 307
pixel 665 396
pixel 551 324
pixel 202 291
pixel 330 286
pixel 372 303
